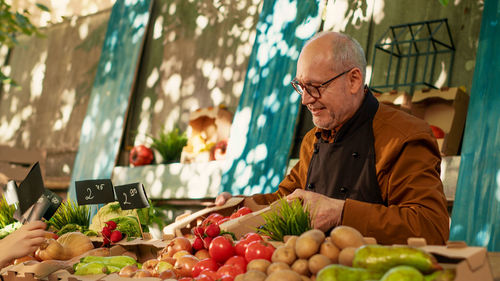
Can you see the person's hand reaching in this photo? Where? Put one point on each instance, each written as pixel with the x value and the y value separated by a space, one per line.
pixel 326 212
pixel 22 242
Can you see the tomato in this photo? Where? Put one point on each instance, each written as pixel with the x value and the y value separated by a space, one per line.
pixel 210 273
pixel 230 270
pixel 209 264
pixel 225 219
pixel 242 245
pixel 204 277
pixel 237 261
pixel 226 278
pixel 221 249
pixel 234 215
pixel 212 219
pixel 243 211
pixel 259 250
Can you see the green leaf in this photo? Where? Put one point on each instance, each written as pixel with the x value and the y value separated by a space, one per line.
pixel 42 7
pixel 444 3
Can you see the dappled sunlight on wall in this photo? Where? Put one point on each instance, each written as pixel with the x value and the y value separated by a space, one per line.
pixel 59 9
pixel 55 74
pixel 264 124
pixel 196 56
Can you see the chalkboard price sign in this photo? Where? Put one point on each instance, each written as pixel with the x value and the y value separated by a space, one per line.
pixel 132 196
pixel 94 192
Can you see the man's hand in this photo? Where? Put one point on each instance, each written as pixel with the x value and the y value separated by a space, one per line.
pixel 326 212
pixel 222 198
pixel 22 242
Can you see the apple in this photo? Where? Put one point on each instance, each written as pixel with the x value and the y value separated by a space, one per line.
pixel 141 155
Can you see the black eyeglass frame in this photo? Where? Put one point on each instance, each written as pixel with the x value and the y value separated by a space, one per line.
pixel 301 88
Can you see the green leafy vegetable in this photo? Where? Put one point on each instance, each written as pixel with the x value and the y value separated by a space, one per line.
pixel 70 213
pixel 291 218
pixel 6 213
pixel 170 145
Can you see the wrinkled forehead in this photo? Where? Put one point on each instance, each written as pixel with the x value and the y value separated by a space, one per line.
pixel 315 62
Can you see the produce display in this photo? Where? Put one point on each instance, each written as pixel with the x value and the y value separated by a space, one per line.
pixel 284 248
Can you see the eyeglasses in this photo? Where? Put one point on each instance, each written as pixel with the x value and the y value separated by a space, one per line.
pixel 313 91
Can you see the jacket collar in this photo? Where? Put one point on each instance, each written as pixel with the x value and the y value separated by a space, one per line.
pixel 365 112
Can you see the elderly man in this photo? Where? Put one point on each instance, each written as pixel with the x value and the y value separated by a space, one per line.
pixel 365 164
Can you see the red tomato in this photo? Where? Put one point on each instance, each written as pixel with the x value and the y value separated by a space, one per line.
pixel 226 278
pixel 259 250
pixel 204 277
pixel 212 219
pixel 225 219
pixel 237 261
pixel 243 211
pixel 242 245
pixel 210 273
pixel 209 264
pixel 221 249
pixel 230 270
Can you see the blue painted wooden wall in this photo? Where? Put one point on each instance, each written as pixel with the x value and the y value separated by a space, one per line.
pixel 476 211
pixel 102 127
pixel 263 126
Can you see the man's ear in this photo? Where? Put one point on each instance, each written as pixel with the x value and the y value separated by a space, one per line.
pixel 355 80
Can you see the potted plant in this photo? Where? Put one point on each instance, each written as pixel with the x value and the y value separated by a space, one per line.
pixel 169 145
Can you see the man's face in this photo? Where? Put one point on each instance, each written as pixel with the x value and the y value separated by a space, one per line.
pixel 337 103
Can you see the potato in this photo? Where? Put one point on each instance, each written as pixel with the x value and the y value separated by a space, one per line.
pixel 284 275
pixel 301 266
pixel 345 236
pixel 253 275
pixel 347 255
pixel 284 254
pixel 259 264
pixel 317 262
pixel 305 278
pixel 276 266
pixel 306 246
pixel 290 240
pixel 317 234
pixel 330 250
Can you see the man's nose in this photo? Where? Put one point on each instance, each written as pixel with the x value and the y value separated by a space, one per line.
pixel 307 98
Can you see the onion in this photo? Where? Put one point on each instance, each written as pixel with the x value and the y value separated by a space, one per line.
pixel 184 265
pixel 150 265
pixel 141 273
pixel 128 270
pixel 166 274
pixel 168 259
pixel 202 254
pixel 178 244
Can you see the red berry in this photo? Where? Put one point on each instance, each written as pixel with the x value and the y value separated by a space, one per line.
pixel 207 241
pixel 198 244
pixel 198 231
pixel 111 225
pixel 212 230
pixel 105 241
pixel 116 236
pixel 106 232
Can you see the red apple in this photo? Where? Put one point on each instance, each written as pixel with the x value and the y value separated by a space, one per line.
pixel 141 155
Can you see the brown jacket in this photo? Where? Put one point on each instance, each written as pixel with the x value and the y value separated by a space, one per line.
pixel 407 162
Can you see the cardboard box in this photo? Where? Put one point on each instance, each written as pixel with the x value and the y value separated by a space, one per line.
pixel 400 100
pixel 470 263
pixel 446 109
pixel 183 226
pixel 142 250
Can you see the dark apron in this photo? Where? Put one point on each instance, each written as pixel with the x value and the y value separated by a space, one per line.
pixel 346 168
